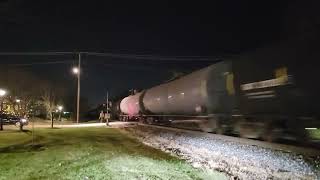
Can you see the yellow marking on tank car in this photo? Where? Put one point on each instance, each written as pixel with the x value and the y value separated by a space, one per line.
pixel 282 73
pixel 229 84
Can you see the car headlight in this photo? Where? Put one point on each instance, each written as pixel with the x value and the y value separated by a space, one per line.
pixel 23 120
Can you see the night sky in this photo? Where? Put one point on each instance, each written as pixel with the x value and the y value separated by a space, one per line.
pixel 164 29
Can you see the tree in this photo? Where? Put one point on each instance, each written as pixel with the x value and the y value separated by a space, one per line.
pixel 21 86
pixel 50 95
pixel 34 93
pixel 48 100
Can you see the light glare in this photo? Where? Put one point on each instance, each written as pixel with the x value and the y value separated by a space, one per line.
pixel 75 70
pixel 2 92
pixel 60 108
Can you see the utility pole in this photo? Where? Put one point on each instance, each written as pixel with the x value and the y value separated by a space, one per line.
pixel 107 119
pixel 33 131
pixel 1 106
pixel 51 120
pixel 78 91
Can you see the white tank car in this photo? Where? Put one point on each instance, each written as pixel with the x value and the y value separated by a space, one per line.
pixel 130 105
pixel 206 91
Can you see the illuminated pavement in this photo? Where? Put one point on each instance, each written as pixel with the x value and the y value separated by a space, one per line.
pixel 116 124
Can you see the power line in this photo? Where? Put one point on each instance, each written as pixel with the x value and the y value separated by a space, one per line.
pixel 115 55
pixel 36 53
pixel 152 57
pixel 42 63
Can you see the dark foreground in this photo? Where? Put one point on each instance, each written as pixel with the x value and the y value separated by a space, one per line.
pixel 88 153
pixel 238 157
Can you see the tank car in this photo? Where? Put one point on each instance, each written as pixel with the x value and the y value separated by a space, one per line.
pixel 206 94
pixel 130 107
pixel 256 99
pixel 200 93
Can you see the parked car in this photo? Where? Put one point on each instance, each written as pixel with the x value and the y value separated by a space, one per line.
pixel 7 119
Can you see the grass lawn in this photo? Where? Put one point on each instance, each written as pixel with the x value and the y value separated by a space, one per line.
pixel 88 153
pixel 315 134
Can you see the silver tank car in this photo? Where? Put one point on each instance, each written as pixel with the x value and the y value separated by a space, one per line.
pixel 268 99
pixel 207 91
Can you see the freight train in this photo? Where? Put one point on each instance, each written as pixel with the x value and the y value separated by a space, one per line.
pixel 253 99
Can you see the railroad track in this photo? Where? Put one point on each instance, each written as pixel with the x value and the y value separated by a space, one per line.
pixel 307 151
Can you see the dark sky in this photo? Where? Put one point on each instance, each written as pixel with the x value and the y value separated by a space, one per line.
pixel 130 26
pixel 215 29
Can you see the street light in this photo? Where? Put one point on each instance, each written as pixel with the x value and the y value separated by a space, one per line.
pixel 60 108
pixel 2 92
pixel 77 70
pixel 60 111
pixel 19 108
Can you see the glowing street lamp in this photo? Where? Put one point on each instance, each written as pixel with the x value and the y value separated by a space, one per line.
pixel 60 108
pixel 19 107
pixel 75 70
pixel 2 92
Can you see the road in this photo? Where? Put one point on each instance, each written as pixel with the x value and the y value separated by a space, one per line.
pixel 116 124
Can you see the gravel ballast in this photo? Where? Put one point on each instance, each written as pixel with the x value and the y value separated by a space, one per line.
pixel 238 160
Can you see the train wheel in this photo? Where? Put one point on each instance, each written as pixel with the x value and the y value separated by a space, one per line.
pixel 221 130
pixel 249 129
pixel 297 130
pixel 204 126
pixel 208 125
pixel 149 120
pixel 141 120
pixel 302 136
pixel 223 125
pixel 273 131
pixel 272 135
